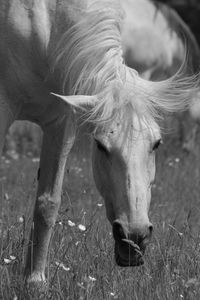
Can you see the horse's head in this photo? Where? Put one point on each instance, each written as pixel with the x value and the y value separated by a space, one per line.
pixel 126 136
pixel 124 169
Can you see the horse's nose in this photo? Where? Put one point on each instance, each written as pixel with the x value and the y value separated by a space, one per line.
pixel 119 232
pixel 141 235
pixel 130 243
pixel 137 233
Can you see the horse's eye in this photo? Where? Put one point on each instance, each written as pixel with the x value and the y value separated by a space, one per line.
pixel 157 144
pixel 101 147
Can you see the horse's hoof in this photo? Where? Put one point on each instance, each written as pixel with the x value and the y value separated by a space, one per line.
pixel 36 285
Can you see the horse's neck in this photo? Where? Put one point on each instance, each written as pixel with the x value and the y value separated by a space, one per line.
pixel 67 13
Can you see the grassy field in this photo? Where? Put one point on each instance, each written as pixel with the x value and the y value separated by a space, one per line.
pixel 81 262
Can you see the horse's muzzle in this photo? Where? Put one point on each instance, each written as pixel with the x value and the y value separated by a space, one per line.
pixel 130 247
pixel 128 254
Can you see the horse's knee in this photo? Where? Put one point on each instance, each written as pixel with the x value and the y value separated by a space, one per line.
pixel 46 210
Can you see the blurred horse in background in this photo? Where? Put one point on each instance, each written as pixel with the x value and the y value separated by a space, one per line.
pixel 157 44
pixel 76 50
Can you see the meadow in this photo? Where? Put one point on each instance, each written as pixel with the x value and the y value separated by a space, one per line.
pixel 81 262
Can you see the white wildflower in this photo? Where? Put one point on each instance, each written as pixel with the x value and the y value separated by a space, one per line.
pixel 7 261
pixel 61 265
pixel 35 159
pixel 12 257
pixel 81 227
pixel 114 295
pixel 91 278
pixel 21 219
pixel 71 224
pixel 67 269
pixel 177 160
pixel 99 204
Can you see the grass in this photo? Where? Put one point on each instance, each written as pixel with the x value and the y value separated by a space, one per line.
pixel 81 263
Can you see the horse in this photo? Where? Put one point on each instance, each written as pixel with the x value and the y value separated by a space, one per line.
pixel 62 60
pixel 145 50
pixel 145 44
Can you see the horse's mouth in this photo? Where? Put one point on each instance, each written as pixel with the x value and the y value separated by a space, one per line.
pixel 133 260
pixel 138 261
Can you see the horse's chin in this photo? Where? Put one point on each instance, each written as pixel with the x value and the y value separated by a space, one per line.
pixel 121 262
pixel 131 261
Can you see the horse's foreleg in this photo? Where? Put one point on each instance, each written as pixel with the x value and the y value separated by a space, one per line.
pixel 6 119
pixel 57 143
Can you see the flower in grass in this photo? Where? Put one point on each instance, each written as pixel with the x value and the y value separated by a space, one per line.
pixel 113 295
pixel 70 223
pixel 7 261
pixel 177 159
pixel 21 219
pixel 67 269
pixel 91 278
pixel 12 257
pixel 81 227
pixel 35 159
pixel 99 204
pixel 62 266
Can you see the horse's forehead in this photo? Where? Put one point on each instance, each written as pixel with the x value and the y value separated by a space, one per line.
pixel 119 130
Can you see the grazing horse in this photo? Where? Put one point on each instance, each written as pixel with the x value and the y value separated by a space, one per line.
pixel 74 48
pixel 156 47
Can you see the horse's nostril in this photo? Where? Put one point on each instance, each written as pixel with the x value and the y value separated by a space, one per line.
pixel 139 235
pixel 118 231
pixel 150 229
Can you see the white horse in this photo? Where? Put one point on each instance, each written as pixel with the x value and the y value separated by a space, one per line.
pixel 156 47
pixel 74 48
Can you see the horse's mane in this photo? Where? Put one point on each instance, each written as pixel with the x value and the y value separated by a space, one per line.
pixel 89 58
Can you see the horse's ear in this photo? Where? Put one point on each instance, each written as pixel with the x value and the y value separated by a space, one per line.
pixel 78 101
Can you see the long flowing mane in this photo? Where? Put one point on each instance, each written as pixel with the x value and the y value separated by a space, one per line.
pixel 90 60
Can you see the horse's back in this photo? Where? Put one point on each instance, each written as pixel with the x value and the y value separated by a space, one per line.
pixel 152 40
